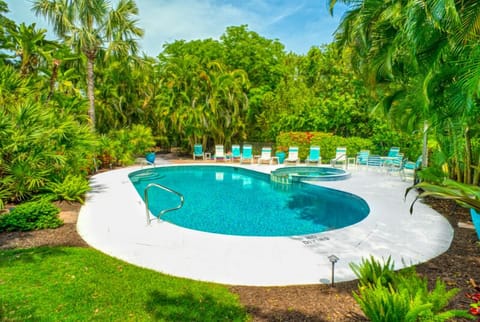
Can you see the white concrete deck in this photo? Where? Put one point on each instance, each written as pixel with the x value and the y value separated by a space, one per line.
pixel 113 220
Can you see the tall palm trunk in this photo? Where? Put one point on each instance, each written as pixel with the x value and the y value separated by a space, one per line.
pixel 467 177
pixel 425 145
pixel 91 87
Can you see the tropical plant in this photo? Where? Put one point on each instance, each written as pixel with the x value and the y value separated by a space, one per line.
pixel 72 188
pixel 370 271
pixel 420 57
pixel 87 25
pixel 465 195
pixel 121 147
pixel 385 296
pixel 30 45
pixel 30 216
pixel 41 143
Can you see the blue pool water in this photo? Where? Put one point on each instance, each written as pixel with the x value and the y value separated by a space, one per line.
pixel 237 201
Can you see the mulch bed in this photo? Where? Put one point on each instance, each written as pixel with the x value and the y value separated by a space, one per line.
pixel 309 302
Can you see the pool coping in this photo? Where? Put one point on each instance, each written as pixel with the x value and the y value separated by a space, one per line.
pixel 113 220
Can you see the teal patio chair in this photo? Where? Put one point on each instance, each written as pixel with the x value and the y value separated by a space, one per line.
pixel 396 165
pixel 393 152
pixel 375 162
pixel 236 155
pixel 219 153
pixel 198 152
pixel 266 155
pixel 314 155
pixel 411 167
pixel 247 154
pixel 340 157
pixel 292 156
pixel 362 158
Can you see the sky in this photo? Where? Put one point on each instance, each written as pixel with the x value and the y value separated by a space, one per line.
pixel 298 25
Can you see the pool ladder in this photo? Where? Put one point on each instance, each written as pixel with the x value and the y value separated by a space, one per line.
pixel 156 185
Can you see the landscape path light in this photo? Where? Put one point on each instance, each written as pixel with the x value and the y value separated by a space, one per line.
pixel 333 259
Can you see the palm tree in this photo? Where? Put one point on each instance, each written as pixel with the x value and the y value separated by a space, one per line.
pixel 31 46
pixel 87 25
pixel 423 58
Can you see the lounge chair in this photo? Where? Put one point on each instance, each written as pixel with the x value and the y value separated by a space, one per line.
pixel 411 167
pixel 340 157
pixel 362 158
pixel 247 154
pixel 391 156
pixel 266 156
pixel 219 153
pixel 314 155
pixel 236 155
pixel 393 152
pixel 396 165
pixel 198 152
pixel 292 155
pixel 376 162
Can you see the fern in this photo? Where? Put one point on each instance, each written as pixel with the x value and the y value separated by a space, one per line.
pixel 386 296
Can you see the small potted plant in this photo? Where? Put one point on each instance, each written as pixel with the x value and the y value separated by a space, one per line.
pixel 281 153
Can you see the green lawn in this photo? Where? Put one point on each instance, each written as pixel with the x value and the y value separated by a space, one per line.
pixel 82 284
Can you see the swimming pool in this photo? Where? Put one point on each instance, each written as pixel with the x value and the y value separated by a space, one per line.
pixel 237 201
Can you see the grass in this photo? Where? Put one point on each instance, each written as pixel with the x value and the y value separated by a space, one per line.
pixel 82 284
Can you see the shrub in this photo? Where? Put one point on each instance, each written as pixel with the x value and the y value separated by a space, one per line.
pixel 371 271
pixel 72 188
pixel 385 296
pixel 30 216
pixel 120 147
pixel 328 143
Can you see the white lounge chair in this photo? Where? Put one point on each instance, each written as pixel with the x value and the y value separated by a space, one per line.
pixel 266 156
pixel 340 157
pixel 292 155
pixel 219 153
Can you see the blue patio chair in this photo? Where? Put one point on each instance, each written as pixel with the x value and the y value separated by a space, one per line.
pixel 340 157
pixel 362 157
pixel 198 152
pixel 266 155
pixel 411 167
pixel 396 165
pixel 236 155
pixel 393 152
pixel 375 162
pixel 247 154
pixel 292 155
pixel 314 155
pixel 219 153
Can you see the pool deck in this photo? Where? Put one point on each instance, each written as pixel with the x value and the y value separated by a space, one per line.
pixel 113 220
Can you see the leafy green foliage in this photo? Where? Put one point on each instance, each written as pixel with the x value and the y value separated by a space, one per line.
pixel 327 142
pixel 31 216
pixel 121 147
pixel 370 271
pixel 72 188
pixel 465 195
pixel 385 295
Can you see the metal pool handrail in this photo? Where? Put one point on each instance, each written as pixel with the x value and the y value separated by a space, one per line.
pixel 156 185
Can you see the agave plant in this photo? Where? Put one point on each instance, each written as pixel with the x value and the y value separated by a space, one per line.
pixel 465 195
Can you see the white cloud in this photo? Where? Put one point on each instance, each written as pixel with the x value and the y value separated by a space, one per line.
pixel 166 21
